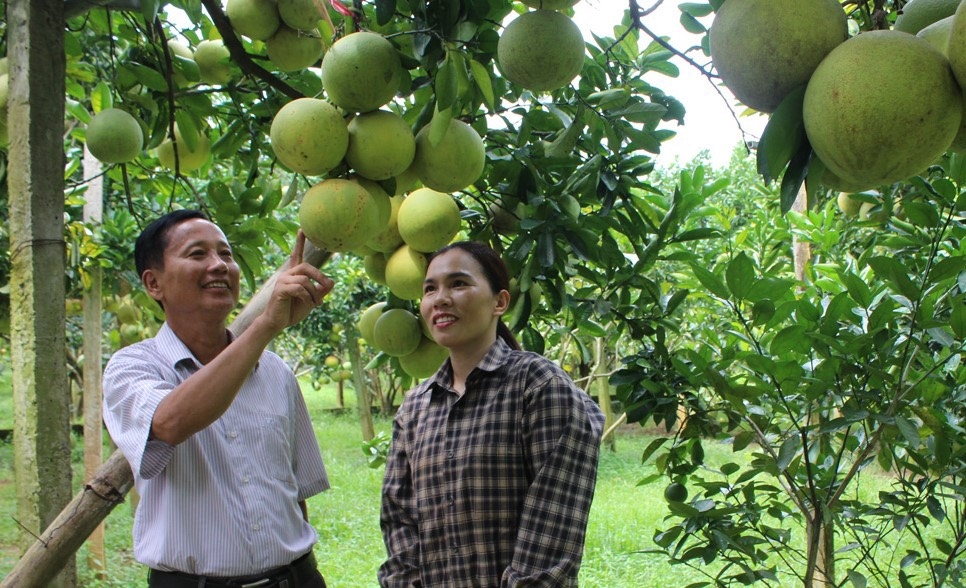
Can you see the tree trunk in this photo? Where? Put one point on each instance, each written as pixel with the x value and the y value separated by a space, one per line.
pixel 68 531
pixel 363 398
pixel 37 255
pixel 820 566
pixel 603 395
pixel 56 546
pixel 93 330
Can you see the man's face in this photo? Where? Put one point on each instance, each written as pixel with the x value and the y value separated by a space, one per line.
pixel 199 274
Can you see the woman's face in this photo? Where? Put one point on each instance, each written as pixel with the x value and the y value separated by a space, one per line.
pixel 458 303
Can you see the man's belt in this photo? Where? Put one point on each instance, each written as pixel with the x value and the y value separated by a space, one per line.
pixel 290 576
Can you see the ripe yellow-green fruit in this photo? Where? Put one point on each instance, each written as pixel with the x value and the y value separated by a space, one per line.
pixel 938 33
pixel 213 58
pixel 453 163
pixel 338 214
pixel 425 360
pixel 761 68
pixel 256 19
pixel 876 212
pixel 396 332
pixel 360 71
pixel 389 239
pixel 193 151
pixel 375 267
pixel 381 145
pixel 918 14
pixel 180 50
pixel 309 136
pixel 114 136
pixel 293 50
pixel 550 4
pixel 407 181
pixel 848 205
pixel 541 50
pixel 881 107
pixel 382 200
pixel 331 361
pixel 428 219
pixel 676 492
pixel 367 320
pixel 405 271
pixel 302 15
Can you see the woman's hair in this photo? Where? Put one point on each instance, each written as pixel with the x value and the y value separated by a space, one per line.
pixel 496 275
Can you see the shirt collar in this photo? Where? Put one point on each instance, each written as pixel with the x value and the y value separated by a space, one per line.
pixel 497 356
pixel 173 349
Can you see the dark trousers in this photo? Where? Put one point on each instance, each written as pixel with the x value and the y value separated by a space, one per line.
pixel 301 573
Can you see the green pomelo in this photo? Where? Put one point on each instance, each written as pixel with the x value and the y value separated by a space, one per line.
pixel 881 107
pixel 541 50
pixel 938 33
pixel 919 14
pixel 875 212
pixel 505 221
pixel 185 70
pixel 381 145
pixel 360 71
pixel 550 4
pixel 765 49
pixel 396 332
pixel 309 136
pixel 407 181
pixel 676 492
pixel 375 267
pixel 256 19
pixel 114 136
pixel 848 205
pixel 381 198
pixel 428 219
pixel 405 272
pixel 293 50
pixel 425 360
pixel 367 320
pixel 301 15
pixel 338 214
pixel 389 239
pixel 4 89
pixel 193 152
pixel 453 163
pixel 213 61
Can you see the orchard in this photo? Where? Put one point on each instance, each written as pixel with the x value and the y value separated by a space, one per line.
pixel 806 304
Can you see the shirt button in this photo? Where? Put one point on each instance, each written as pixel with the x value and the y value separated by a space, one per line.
pixel 256 527
pixel 233 434
pixel 245 480
pixel 450 454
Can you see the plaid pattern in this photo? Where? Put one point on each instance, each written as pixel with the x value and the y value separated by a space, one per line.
pixel 492 488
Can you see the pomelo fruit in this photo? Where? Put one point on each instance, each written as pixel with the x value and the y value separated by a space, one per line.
pixel 294 49
pixel 185 71
pixel 193 151
pixel 505 220
pixel 938 33
pixel 428 219
pixel 114 136
pixel 302 15
pixel 396 332
pixel 381 145
pixel 881 107
pixel 375 267
pixel 676 492
pixel 256 19
pixel 381 198
pixel 425 359
pixel 919 14
pixel 389 239
pixel 405 272
pixel 360 71
pixel 309 136
pixel 367 320
pixel 848 205
pixel 338 214
pixel 453 163
pixel 541 50
pixel 765 49
pixel 213 60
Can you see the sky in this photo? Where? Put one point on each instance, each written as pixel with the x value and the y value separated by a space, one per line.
pixel 709 122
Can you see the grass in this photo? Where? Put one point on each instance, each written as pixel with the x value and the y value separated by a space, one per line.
pixel 623 520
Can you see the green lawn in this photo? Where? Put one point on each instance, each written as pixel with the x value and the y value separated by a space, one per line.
pixel 623 520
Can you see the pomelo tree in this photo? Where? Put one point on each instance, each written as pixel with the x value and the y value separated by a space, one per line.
pixel 616 256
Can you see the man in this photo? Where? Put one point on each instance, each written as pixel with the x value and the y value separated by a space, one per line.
pixel 214 426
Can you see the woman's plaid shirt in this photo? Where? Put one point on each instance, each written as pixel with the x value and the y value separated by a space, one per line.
pixel 492 488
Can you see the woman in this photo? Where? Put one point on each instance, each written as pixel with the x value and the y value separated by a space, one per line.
pixel 493 463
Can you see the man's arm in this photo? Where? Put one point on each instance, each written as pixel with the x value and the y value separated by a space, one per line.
pixel 206 395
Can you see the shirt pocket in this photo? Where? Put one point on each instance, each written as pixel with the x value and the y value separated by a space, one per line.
pixel 274 447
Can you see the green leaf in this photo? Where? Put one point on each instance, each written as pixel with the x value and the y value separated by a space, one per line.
pixel 740 275
pixel 909 431
pixel 788 340
pixel 783 136
pixel 482 78
pixel 711 282
pixel 857 579
pixel 446 83
pixel 788 451
pixel 891 270
pixel 691 24
pixel 101 97
pixel 795 176
pixel 957 317
pixel 149 9
pixel 385 9
pixel 439 125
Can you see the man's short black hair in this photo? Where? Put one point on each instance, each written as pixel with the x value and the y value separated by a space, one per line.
pixel 153 240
